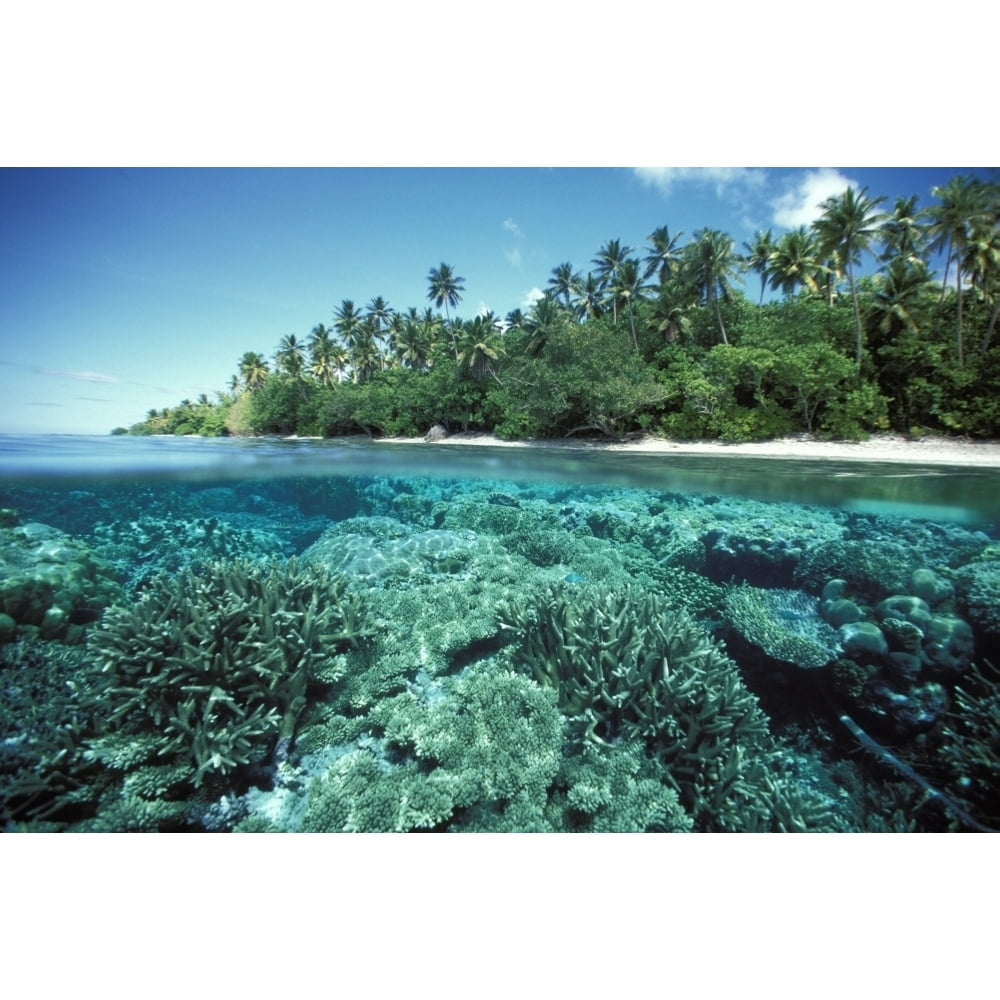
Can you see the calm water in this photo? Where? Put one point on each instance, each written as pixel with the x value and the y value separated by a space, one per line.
pixel 519 600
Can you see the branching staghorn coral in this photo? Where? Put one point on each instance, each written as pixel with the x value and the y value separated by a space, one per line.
pixel 628 666
pixel 972 742
pixel 217 661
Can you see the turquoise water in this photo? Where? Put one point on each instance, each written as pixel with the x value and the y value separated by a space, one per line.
pixel 264 635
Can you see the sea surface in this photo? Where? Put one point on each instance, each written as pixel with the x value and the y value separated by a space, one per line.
pixel 346 635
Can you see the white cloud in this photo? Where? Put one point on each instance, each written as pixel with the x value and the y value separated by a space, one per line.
pixel 799 204
pixel 512 227
pixel 513 257
pixel 724 179
pixel 79 376
pixel 531 297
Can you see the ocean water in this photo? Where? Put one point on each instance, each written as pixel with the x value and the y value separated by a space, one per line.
pixel 280 636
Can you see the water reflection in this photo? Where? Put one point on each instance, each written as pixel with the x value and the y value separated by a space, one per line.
pixel 951 493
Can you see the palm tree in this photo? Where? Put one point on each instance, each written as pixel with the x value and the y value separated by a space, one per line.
pixel 321 352
pixel 609 258
pixel 564 282
pixel 713 263
pixel 348 323
pixel 514 320
pixel 846 228
pixel 902 293
pixel 378 317
pixel 964 209
pixel 364 356
pixel 290 356
pixel 903 232
pixel 445 288
pixel 410 343
pixel 589 304
pixel 626 286
pixel 547 317
pixel 253 370
pixel 795 261
pixel 664 256
pixel 671 308
pixel 759 251
pixel 479 346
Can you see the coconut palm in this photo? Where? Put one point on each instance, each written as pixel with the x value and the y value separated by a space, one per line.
pixel 759 251
pixel 378 317
pixel 445 288
pixel 547 318
pixel 364 356
pixel 479 346
pixel 711 263
pixel 348 323
pixel 410 343
pixel 589 302
pixel 564 282
pixel 290 357
pixel 903 232
pixel 609 258
pixel 253 370
pixel 963 210
pixel 625 287
pixel 321 354
pixel 670 314
pixel 664 255
pixel 795 261
pixel 902 293
pixel 848 225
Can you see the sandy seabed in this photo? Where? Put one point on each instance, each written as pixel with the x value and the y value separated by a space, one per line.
pixel 879 448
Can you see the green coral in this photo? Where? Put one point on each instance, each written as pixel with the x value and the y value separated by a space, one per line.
pixel 615 789
pixel 981 583
pixel 478 749
pixel 872 569
pixel 217 662
pixel 49 579
pixel 971 746
pixel 785 624
pixel 627 666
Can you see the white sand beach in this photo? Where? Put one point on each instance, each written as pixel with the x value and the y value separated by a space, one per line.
pixel 879 448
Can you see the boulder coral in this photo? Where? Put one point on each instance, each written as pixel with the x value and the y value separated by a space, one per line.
pixel 50 583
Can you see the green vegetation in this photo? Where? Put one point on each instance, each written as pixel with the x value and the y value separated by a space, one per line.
pixel 665 343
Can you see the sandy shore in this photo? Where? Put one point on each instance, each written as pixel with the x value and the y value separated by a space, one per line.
pixel 879 448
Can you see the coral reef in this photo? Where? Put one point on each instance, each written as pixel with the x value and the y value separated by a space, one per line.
pixel 50 584
pixel 216 663
pixel 784 624
pixel 971 742
pixel 629 667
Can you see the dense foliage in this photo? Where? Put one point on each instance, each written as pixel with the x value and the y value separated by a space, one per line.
pixel 659 340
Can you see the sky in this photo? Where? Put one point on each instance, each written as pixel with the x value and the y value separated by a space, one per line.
pixel 124 290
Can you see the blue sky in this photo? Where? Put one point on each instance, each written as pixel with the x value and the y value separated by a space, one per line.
pixel 123 290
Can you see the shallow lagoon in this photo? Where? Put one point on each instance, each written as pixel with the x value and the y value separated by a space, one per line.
pixel 347 635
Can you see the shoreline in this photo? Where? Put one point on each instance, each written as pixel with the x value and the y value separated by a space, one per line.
pixel 933 450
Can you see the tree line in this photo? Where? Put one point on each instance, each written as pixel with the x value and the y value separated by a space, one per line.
pixel 658 339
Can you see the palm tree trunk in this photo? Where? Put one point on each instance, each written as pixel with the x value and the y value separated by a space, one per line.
pixel 958 337
pixel 718 316
pixel 857 317
pixel 989 328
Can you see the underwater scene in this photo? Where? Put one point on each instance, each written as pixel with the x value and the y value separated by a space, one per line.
pixel 353 636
